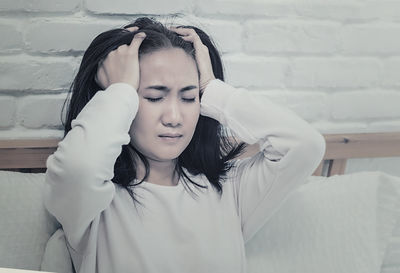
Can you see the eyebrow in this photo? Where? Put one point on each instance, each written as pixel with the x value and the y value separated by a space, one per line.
pixel 166 89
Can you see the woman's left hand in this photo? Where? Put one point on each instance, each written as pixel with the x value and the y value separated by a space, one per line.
pixel 203 59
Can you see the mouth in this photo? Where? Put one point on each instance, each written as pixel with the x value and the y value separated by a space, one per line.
pixel 170 139
pixel 170 136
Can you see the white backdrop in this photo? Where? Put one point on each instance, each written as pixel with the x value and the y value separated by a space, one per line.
pixel 335 63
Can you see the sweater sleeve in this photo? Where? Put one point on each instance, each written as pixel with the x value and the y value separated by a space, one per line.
pixel 78 178
pixel 290 150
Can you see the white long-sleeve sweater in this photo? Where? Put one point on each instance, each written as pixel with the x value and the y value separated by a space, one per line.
pixel 174 232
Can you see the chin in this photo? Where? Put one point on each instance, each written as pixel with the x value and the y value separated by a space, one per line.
pixel 165 156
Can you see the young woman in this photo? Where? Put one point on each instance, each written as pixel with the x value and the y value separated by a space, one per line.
pixel 144 180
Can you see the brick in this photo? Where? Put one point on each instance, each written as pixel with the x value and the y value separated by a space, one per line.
pixel 24 133
pixel 7 111
pixel 40 5
pixel 329 127
pixel 291 37
pixel 22 73
pixel 334 73
pixel 342 10
pixel 267 8
pixel 41 111
pixel 138 7
pixel 310 106
pixel 392 254
pixel 371 39
pixel 337 10
pixel 396 231
pixel 14 40
pixel 365 105
pixel 391 72
pixel 53 36
pixel 226 34
pixel 385 126
pixel 381 9
pixel 245 71
pixel 359 126
pixel 395 269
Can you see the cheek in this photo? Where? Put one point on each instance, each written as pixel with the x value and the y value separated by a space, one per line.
pixel 193 115
pixel 147 114
pixel 133 130
pixel 139 134
pixel 138 126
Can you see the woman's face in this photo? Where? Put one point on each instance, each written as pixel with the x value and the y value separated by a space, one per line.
pixel 169 105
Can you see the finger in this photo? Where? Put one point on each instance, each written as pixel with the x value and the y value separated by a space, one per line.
pixel 188 34
pixel 193 39
pixel 137 41
pixel 184 31
pixel 132 29
pixel 197 43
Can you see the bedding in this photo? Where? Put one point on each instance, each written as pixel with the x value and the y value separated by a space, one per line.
pixel 25 225
pixel 343 223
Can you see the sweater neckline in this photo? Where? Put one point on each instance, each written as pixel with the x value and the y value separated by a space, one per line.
pixel 161 187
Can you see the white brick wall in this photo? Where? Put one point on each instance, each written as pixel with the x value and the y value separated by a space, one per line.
pixel 22 73
pixel 14 41
pixel 8 109
pixel 63 34
pixel 391 68
pixel 346 52
pixel 291 37
pixel 335 62
pixel 137 7
pixel 255 71
pixel 39 5
pixel 31 115
pixel 334 73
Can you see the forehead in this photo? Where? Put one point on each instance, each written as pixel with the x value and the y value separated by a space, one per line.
pixel 168 66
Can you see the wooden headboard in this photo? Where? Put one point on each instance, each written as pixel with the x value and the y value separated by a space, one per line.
pixel 30 155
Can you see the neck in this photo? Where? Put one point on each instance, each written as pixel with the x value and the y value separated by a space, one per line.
pixel 161 172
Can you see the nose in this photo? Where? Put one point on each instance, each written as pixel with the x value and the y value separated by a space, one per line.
pixel 172 115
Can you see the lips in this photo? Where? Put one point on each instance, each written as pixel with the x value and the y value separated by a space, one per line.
pixel 170 139
pixel 170 135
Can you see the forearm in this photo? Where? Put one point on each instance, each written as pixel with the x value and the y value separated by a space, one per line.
pixel 78 185
pixel 256 118
pixel 290 150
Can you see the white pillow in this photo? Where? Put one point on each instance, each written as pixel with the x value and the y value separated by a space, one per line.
pixel 56 257
pixel 25 225
pixel 332 224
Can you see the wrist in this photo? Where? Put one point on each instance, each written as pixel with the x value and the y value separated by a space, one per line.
pixel 204 84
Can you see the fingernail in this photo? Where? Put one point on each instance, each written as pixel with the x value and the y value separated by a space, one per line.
pixel 132 29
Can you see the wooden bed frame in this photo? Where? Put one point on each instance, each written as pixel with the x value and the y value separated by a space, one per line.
pixel 30 155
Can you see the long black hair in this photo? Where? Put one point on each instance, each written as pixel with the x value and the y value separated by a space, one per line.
pixel 209 152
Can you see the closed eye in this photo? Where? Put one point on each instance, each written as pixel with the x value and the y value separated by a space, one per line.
pixel 154 99
pixel 189 99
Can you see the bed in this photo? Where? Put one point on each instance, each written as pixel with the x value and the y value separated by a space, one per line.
pixel 335 222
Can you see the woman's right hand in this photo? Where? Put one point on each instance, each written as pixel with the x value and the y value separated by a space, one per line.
pixel 121 64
